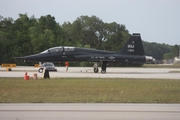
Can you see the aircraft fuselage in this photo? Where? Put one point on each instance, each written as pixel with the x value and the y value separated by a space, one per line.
pixel 84 54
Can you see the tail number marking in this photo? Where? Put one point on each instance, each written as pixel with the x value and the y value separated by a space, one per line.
pixel 130 48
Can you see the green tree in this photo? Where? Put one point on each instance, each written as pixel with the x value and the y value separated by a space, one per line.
pixel 168 56
pixel 90 32
pixel 156 50
pixel 6 39
pixel 70 38
pixel 21 42
pixel 175 51
pixel 45 33
pixel 117 35
pixel 29 35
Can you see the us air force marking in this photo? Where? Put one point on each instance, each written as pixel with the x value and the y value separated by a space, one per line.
pixel 111 57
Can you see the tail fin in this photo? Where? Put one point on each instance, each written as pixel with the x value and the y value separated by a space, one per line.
pixel 133 46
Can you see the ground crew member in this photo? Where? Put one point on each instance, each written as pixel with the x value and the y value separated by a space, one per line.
pixel 67 65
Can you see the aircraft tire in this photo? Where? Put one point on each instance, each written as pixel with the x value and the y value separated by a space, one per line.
pixel 103 71
pixel 40 70
pixel 96 70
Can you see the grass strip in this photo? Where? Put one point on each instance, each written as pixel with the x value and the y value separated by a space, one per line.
pixel 89 90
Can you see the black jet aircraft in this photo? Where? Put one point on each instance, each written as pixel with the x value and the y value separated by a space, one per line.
pixel 132 52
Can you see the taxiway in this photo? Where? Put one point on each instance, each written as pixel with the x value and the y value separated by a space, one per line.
pixel 84 111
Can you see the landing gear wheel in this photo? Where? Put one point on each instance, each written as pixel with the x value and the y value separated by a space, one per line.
pixel 40 70
pixel 103 71
pixel 96 70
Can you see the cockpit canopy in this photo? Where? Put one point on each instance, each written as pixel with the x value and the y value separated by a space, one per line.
pixel 59 49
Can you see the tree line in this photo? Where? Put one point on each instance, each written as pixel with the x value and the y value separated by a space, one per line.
pixel 30 35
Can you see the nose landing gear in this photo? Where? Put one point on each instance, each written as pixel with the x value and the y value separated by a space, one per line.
pixel 104 65
pixel 96 70
pixel 96 64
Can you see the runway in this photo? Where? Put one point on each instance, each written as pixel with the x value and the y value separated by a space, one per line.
pixel 87 72
pixel 90 111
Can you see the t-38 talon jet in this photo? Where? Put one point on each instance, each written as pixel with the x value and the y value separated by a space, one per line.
pixel 132 52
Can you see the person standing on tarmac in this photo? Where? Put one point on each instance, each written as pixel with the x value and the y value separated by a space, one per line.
pixel 67 65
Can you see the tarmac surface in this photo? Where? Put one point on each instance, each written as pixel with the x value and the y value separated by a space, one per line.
pixel 89 111
pixel 87 72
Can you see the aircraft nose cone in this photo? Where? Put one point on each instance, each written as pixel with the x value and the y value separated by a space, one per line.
pixel 30 57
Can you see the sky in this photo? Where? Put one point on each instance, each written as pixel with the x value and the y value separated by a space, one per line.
pixel 156 20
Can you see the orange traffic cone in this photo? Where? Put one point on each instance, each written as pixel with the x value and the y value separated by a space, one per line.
pixel 26 77
pixel 34 76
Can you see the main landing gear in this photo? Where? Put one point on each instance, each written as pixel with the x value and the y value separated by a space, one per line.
pixel 104 65
pixel 103 68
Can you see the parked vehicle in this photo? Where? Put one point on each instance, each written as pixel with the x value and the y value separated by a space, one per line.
pixel 47 66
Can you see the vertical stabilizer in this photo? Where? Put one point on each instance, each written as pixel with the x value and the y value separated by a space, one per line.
pixel 133 46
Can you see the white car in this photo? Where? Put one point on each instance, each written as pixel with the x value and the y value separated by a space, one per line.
pixel 47 66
